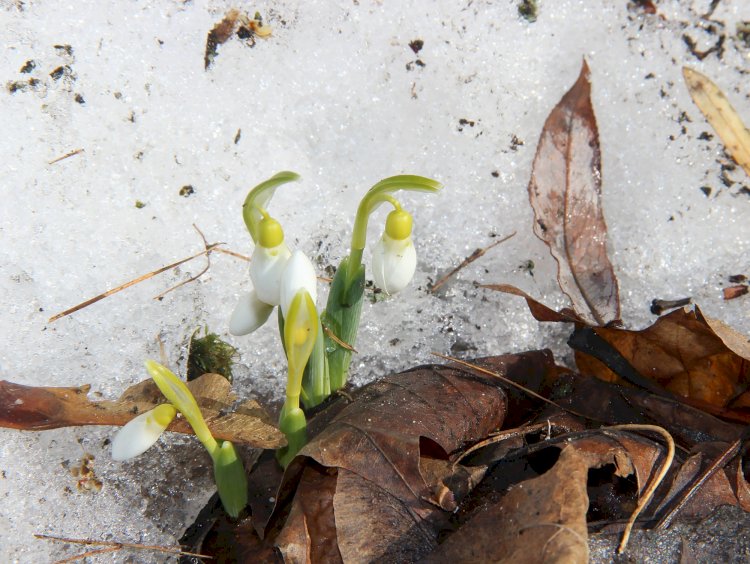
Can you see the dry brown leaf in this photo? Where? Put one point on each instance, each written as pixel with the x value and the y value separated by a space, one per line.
pixel 387 454
pixel 721 115
pixel 309 533
pixel 32 408
pixel 543 519
pixel 682 352
pixel 540 311
pixel 380 436
pixel 565 193
pixel 722 488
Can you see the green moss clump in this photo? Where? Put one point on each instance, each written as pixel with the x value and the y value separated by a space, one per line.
pixel 209 354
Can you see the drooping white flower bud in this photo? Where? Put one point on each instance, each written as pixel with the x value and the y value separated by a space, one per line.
pixel 137 436
pixel 269 261
pixel 298 275
pixel 394 259
pixel 249 314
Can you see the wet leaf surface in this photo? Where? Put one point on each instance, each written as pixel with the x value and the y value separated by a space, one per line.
pixel 32 408
pixel 683 353
pixel 565 193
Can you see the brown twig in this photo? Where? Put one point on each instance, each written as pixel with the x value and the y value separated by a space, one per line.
pixel 88 554
pixel 510 382
pixel 500 437
pixel 113 546
pixel 209 248
pixel 66 155
pixel 231 253
pixel 123 287
pixel 201 273
pixel 478 253
pixel 338 341
pixel 697 482
pixel 644 500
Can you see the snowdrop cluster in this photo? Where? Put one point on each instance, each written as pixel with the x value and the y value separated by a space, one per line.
pixel 318 361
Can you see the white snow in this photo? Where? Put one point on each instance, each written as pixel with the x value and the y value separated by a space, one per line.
pixel 329 96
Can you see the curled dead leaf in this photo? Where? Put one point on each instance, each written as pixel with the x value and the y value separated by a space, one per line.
pixel 544 518
pixel 32 408
pixel 565 193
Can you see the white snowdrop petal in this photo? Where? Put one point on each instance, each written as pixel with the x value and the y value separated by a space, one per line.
pixel 378 264
pixel 249 314
pixel 267 266
pixel 298 275
pixel 393 264
pixel 137 436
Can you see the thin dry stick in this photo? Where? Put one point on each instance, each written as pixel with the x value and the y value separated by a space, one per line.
pixel 231 253
pixel 467 261
pixel 88 554
pixel 201 273
pixel 209 248
pixel 701 479
pixel 120 545
pixel 500 437
pixel 532 393
pixel 338 341
pixel 124 286
pixel 66 155
pixel 560 529
pixel 649 492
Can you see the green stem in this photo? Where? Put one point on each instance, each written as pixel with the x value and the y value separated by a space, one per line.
pixel 259 197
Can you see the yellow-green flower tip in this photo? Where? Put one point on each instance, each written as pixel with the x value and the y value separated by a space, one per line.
pixel 270 233
pixel 172 387
pixel 300 330
pixel 180 396
pixel 163 414
pixel 398 224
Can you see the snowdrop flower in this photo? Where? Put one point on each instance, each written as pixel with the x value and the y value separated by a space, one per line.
pixel 137 436
pixel 299 274
pixel 267 265
pixel 269 260
pixel 143 431
pixel 394 258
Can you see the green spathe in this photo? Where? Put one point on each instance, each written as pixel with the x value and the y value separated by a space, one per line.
pixel 231 481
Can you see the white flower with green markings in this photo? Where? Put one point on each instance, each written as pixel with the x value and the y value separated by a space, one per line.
pixel 143 431
pixel 394 258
